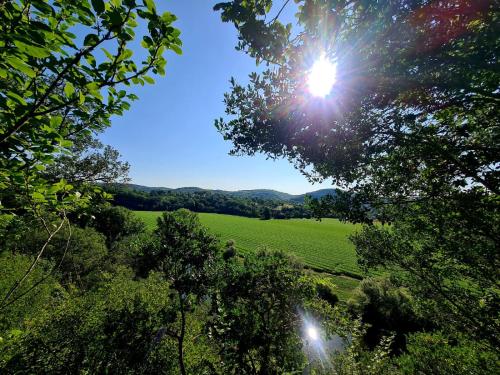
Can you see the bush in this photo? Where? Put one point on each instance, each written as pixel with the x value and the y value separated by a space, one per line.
pixel 117 329
pixel 229 250
pixel 132 251
pixel 439 354
pixel 387 309
pixel 256 322
pixel 79 255
pixel 325 292
pixel 20 306
pixel 116 223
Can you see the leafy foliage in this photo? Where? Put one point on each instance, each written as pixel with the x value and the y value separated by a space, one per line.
pixel 415 90
pixel 88 162
pixel 455 269
pixel 116 223
pixel 256 317
pixel 204 201
pixel 57 87
pixel 65 68
pixel 438 354
pixel 13 315
pixel 117 327
pixel 411 127
pixel 78 255
pixel 386 310
pixel 185 253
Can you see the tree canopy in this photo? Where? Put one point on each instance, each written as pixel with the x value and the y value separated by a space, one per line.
pixel 65 69
pixel 417 83
pixel 410 127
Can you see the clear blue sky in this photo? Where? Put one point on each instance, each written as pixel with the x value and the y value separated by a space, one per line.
pixel 168 136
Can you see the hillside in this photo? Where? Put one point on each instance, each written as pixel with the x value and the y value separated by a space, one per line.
pixel 265 194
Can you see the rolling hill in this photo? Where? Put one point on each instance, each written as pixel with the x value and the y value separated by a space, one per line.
pixel 266 194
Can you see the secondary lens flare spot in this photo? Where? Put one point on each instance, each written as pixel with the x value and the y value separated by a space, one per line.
pixel 322 77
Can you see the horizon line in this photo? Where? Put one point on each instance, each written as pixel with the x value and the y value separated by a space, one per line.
pixel 226 190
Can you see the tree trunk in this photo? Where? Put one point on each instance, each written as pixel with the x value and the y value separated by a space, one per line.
pixel 180 338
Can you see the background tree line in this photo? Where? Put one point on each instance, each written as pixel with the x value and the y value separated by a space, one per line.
pixel 205 201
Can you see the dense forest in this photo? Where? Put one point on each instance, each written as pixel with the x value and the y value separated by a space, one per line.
pixel 205 201
pixel 409 130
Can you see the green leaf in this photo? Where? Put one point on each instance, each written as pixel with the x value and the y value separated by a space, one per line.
pixel 127 54
pixel 91 60
pixel 42 6
pixel 40 167
pixel 81 98
pixel 69 89
pixel 149 80
pixel 32 50
pixel 66 143
pixel 18 64
pixel 94 90
pixel 91 40
pixel 115 17
pixel 38 196
pixel 107 53
pixel 55 121
pixel 98 6
pixel 16 97
pixel 168 17
pixel 150 5
pixel 176 49
pixel 93 86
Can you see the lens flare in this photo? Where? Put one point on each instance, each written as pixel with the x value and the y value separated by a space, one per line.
pixel 312 333
pixel 322 77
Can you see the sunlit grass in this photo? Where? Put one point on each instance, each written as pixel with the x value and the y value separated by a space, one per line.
pixel 321 245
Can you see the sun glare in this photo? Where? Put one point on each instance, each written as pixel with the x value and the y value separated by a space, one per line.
pixel 322 77
pixel 312 333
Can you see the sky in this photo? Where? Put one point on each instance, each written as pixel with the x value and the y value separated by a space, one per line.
pixel 168 135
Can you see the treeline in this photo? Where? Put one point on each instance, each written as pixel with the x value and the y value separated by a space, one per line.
pixel 205 201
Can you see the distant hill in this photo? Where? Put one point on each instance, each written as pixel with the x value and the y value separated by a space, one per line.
pixel 266 194
pixel 262 194
pixel 314 194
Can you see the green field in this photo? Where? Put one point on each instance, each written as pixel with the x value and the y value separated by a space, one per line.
pixel 321 245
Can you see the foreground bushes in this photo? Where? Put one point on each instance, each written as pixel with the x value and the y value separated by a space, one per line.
pixel 111 329
pixel 175 301
pixel 33 298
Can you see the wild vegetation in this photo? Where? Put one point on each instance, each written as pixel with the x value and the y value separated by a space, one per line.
pixel 206 201
pixel 410 130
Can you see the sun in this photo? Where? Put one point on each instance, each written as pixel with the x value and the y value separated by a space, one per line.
pixel 322 77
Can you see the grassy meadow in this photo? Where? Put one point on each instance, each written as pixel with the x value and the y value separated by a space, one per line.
pixel 321 245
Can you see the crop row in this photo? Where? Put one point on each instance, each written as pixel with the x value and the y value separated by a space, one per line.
pixel 323 245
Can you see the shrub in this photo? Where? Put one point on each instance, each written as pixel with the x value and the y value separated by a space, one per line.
pixel 24 303
pixel 387 309
pixel 439 354
pixel 115 329
pixel 116 223
pixel 78 255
